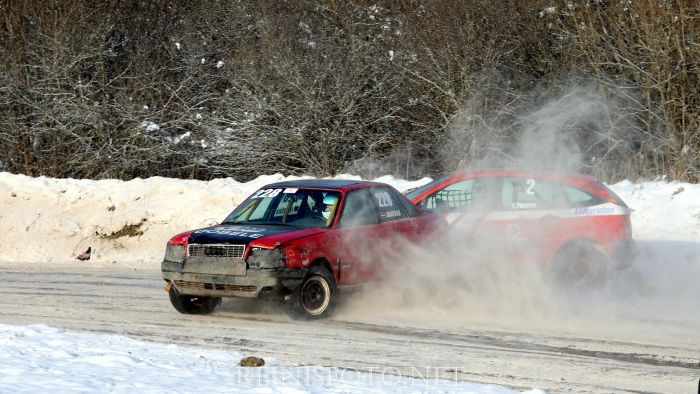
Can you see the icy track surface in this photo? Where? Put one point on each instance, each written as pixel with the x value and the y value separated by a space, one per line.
pixel 38 357
pixel 556 354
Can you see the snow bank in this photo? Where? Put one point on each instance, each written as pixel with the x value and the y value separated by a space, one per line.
pixel 663 211
pixel 46 220
pixel 38 357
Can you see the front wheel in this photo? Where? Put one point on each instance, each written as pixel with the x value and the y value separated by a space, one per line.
pixel 192 305
pixel 315 297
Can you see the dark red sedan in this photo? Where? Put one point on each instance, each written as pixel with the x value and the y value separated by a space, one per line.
pixel 298 241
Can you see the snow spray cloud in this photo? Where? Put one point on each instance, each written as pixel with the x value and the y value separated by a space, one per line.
pixel 456 282
pixel 575 128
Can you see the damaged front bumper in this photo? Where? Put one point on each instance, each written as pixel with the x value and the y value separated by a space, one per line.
pixel 226 277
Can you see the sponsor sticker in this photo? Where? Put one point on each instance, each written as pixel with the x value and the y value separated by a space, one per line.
pixel 594 211
pixel 391 214
pixel 521 205
pixel 248 232
pixel 290 190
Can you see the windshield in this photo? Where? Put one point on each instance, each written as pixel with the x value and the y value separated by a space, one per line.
pixel 304 208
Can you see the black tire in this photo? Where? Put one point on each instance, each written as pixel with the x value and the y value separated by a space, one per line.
pixel 581 264
pixel 316 296
pixel 192 305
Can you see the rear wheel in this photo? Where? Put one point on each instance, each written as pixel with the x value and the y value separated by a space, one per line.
pixel 315 297
pixel 581 264
pixel 192 305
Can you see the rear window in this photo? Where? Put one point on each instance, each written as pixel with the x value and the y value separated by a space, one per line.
pixel 407 205
pixel 580 198
pixel 387 204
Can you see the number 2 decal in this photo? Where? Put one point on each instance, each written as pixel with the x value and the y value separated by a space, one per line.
pixel 530 187
pixel 266 193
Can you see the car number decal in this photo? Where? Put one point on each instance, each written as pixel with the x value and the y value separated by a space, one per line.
pixel 266 193
pixel 530 187
pixel 383 199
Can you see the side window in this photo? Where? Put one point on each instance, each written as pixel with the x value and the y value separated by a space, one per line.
pixel 579 198
pixel 358 210
pixel 450 198
pixel 529 193
pixel 388 205
pixel 407 205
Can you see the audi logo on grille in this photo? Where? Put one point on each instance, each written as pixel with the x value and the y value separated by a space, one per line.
pixel 213 251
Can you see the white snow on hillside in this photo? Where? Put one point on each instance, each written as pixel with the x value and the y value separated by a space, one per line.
pixel 47 220
pixel 50 220
pixel 38 358
pixel 663 211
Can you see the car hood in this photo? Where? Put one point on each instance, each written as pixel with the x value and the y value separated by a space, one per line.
pixel 265 235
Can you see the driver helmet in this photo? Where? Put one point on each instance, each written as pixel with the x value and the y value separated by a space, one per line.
pixel 329 200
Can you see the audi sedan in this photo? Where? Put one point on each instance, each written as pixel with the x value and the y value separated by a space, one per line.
pixel 295 241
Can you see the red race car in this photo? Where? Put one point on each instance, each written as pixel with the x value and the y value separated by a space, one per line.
pixel 571 220
pixel 297 241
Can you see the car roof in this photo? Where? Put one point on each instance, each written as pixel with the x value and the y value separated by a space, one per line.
pixel 519 173
pixel 318 183
pixel 577 180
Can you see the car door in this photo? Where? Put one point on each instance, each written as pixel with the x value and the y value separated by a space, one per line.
pixel 530 213
pixel 397 231
pixel 358 230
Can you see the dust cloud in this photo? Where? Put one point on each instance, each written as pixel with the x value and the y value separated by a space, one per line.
pixel 477 282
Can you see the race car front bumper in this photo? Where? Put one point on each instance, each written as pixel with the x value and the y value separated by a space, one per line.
pixel 219 277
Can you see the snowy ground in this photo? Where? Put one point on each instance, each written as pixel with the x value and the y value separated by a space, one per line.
pixel 128 223
pixel 38 358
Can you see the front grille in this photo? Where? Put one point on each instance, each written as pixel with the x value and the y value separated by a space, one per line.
pixel 233 251
pixel 214 286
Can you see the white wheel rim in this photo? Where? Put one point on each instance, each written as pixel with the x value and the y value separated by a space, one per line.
pixel 326 290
